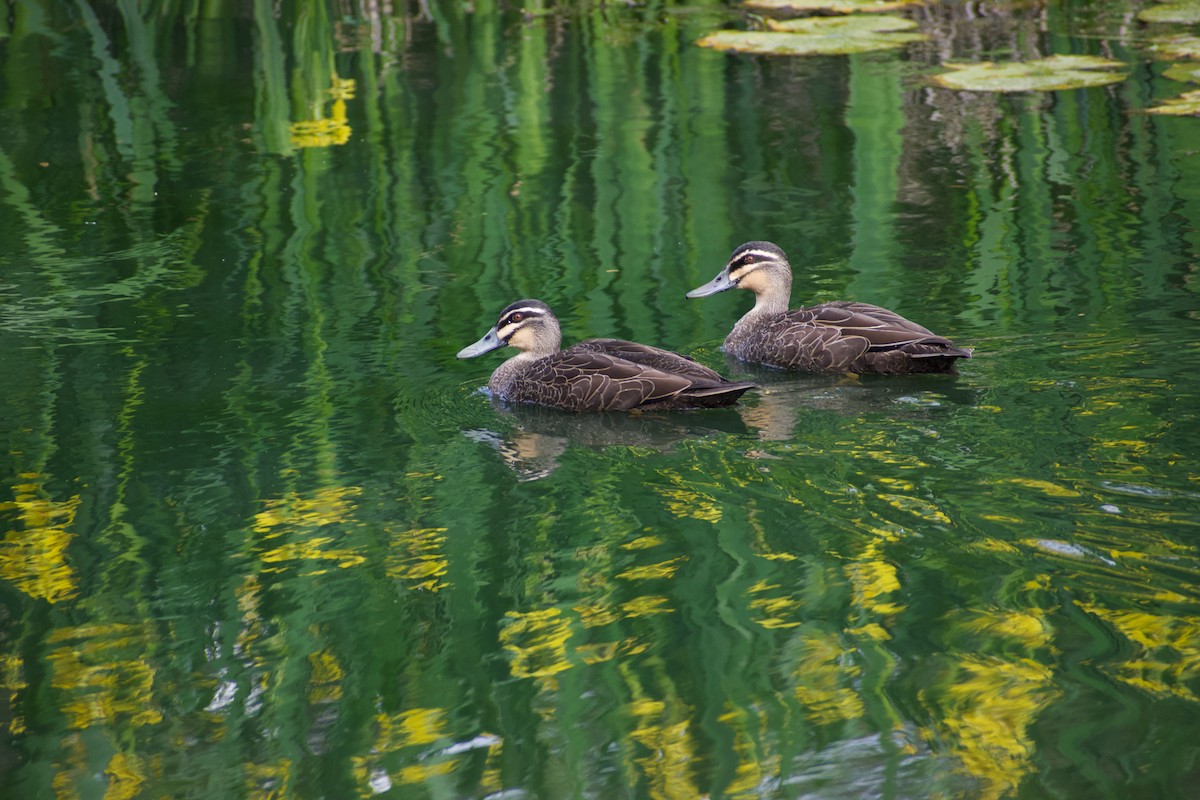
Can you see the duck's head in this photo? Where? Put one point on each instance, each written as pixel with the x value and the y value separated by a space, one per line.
pixel 528 325
pixel 761 267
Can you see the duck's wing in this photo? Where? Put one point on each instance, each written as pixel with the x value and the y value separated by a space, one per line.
pixel 797 340
pixel 665 360
pixel 882 328
pixel 582 380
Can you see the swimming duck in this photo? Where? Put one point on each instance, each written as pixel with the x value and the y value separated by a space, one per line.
pixel 831 337
pixel 594 375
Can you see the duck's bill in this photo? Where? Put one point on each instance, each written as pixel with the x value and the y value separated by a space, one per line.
pixel 717 284
pixel 487 344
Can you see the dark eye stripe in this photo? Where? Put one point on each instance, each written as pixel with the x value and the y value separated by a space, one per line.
pixel 519 315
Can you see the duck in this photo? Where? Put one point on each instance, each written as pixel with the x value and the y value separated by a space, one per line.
pixel 835 337
pixel 596 374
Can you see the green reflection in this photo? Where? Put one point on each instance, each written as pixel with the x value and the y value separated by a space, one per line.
pixel 260 536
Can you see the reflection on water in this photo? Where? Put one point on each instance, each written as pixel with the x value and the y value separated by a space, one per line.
pixel 784 397
pixel 538 436
pixel 260 537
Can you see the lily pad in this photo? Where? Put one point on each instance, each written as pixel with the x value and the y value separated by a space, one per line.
pixel 1187 104
pixel 1185 13
pixel 1184 73
pixel 831 6
pixel 819 36
pixel 1043 75
pixel 1181 46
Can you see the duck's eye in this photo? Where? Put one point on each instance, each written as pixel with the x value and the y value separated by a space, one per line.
pixel 746 261
pixel 517 317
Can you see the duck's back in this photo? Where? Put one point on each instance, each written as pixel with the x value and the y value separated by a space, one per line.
pixel 591 377
pixel 842 337
pixel 665 360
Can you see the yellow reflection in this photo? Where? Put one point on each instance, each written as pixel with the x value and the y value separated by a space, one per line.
pixel 751 738
pixel 12 679
pixel 419 562
pixel 326 507
pixel 1045 487
pixel 688 499
pixel 642 543
pixel 1026 627
pixel 664 569
pixel 325 681
pixel 872 579
pixel 1170 651
pixel 645 606
pixel 326 131
pixel 34 557
pixel 777 612
pixel 293 516
pixel 269 781
pixel 671 750
pixel 537 642
pixel 100 687
pixel 597 615
pixel 419 773
pixel 822 669
pixel 918 506
pixel 988 712
pixel 412 727
pixel 125 777
pixel 607 651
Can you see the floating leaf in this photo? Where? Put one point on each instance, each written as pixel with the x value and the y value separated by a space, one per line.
pixel 842 26
pixel 1184 73
pixel 831 6
pixel 1044 75
pixel 1185 13
pixel 1181 46
pixel 1186 104
pixel 819 36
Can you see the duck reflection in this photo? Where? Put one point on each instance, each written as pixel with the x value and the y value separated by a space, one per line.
pixel 540 436
pixel 781 395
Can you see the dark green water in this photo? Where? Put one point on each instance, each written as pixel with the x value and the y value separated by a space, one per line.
pixel 263 538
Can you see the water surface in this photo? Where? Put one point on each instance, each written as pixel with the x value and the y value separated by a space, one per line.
pixel 264 538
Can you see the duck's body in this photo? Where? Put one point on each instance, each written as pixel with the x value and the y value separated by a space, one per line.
pixel 830 337
pixel 594 375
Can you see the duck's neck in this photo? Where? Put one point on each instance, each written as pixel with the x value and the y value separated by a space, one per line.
pixel 770 300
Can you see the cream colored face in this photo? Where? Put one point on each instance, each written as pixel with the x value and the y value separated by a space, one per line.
pixel 751 269
pixel 519 327
pixel 751 277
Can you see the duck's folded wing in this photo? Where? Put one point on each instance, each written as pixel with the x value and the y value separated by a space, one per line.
pixel 884 329
pixel 665 360
pixel 795 341
pixel 583 380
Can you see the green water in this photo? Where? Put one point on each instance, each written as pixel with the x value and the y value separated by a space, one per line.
pixel 262 537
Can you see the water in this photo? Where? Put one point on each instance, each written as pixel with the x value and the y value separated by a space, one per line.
pixel 263 537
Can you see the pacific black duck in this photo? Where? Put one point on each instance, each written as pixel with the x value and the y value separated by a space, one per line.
pixel 831 337
pixel 594 375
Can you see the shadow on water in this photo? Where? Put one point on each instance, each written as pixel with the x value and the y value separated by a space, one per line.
pixel 783 397
pixel 537 437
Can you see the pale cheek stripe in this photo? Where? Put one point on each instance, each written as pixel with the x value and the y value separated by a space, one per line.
pixel 505 331
pixel 527 310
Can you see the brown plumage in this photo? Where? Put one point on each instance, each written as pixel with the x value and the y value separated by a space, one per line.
pixel 594 375
pixel 830 337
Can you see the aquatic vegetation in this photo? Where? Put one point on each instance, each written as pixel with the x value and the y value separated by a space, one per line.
pixel 831 6
pixel 1186 104
pixel 1184 13
pixel 1043 75
pixel 819 36
pixel 1176 46
pixel 1185 73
